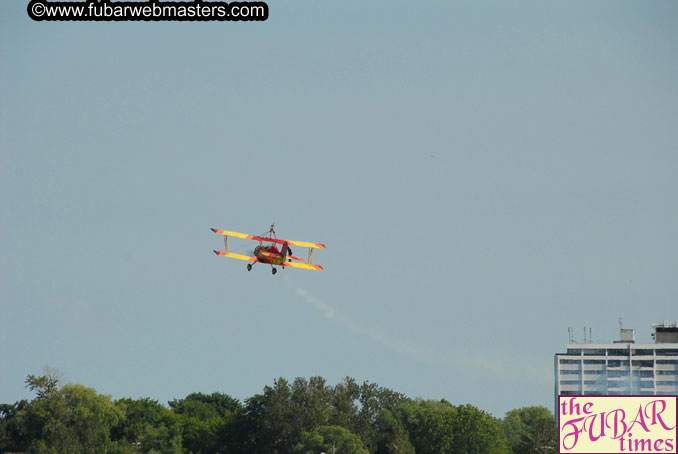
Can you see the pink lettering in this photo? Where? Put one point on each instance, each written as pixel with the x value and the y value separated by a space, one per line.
pixel 658 444
pixel 640 419
pixel 575 431
pixel 618 425
pixel 656 415
pixel 601 431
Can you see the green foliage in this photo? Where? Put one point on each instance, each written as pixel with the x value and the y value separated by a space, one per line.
pixel 343 408
pixel 271 417
pixel 301 417
pixel 478 432
pixel 202 437
pixel 393 438
pixel 13 433
pixel 161 439
pixel 147 427
pixel 71 419
pixel 44 385
pixel 530 430
pixel 330 439
pixel 430 425
pixel 442 428
pixel 373 401
pixel 311 402
pixel 138 416
pixel 278 417
pixel 206 406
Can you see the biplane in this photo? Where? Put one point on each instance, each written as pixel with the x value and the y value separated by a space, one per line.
pixel 270 253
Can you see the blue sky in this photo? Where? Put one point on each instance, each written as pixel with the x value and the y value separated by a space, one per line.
pixel 484 174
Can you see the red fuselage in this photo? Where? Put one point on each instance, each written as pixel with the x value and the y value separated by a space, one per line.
pixel 269 254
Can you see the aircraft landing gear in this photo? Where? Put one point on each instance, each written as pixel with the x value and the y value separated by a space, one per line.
pixel 274 270
pixel 249 267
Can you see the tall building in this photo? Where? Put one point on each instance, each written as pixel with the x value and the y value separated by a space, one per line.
pixel 621 367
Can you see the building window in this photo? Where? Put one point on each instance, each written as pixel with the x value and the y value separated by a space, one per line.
pixel 594 351
pixel 642 363
pixel 594 361
pixel 667 352
pixel 618 363
pixel 643 373
pixel 569 361
pixel 616 373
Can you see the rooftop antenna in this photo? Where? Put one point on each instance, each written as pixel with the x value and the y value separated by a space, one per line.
pixel 590 335
pixel 620 323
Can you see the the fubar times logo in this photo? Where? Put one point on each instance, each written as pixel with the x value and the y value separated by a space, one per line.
pixel 617 424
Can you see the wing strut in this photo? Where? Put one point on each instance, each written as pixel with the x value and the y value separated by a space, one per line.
pixel 310 256
pixel 226 242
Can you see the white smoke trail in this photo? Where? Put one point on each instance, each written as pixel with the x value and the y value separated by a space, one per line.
pixel 456 357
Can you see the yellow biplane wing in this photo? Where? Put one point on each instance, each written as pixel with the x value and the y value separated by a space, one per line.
pixel 272 240
pixel 236 256
pixel 306 266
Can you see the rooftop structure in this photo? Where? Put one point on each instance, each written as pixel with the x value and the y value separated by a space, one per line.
pixel 622 367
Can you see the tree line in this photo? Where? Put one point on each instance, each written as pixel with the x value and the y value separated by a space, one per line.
pixel 305 416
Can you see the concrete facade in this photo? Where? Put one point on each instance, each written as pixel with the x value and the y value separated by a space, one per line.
pixel 622 367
